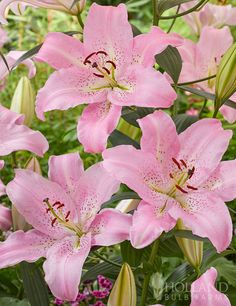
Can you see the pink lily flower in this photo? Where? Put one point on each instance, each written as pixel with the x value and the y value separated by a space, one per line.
pixel 64 213
pixel 2 186
pixel 204 293
pixel 178 177
pixel 18 6
pixel 210 15
pixel 11 58
pixel 5 218
pixel 15 136
pixel 110 69
pixel 201 59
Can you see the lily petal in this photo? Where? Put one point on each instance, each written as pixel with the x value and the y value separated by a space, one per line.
pixel 110 227
pixel 146 46
pixel 143 87
pixel 21 246
pixel 67 88
pixel 207 216
pixel 2 186
pixel 28 191
pixel 107 29
pixel 61 51
pixel 63 266
pixel 204 293
pixel 96 187
pixel 149 221
pixel 5 218
pixel 95 125
pixel 159 137
pixel 139 170
pixel 66 171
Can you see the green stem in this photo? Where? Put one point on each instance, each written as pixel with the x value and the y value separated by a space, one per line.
pixel 201 3
pixel 80 21
pixel 202 109
pixel 107 260
pixel 173 21
pixel 215 113
pixel 197 81
pixel 148 275
pixel 155 15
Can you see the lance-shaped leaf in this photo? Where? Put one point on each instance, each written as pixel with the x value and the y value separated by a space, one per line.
pixel 170 60
pixel 164 5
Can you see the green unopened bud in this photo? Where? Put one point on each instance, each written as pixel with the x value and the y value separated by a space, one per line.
pixel 126 206
pixel 192 249
pixel 23 101
pixel 124 290
pixel 19 222
pixel 226 77
pixel 128 129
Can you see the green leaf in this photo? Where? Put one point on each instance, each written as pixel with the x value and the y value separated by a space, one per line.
pixel 131 255
pixel 121 196
pixel 117 138
pixel 188 235
pixel 169 248
pixel 8 301
pixel 170 60
pixel 183 121
pixel 132 115
pixel 164 5
pixel 226 269
pixel 103 268
pixel 206 95
pixel 34 284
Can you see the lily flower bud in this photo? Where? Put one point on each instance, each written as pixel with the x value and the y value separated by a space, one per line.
pixel 128 129
pixel 19 222
pixel 23 101
pixel 192 249
pixel 124 290
pixel 225 77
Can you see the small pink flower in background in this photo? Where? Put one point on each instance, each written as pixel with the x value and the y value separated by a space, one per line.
pixel 64 213
pixel 18 6
pixel 110 69
pixel 15 136
pixel 201 59
pixel 210 15
pixel 192 112
pixel 204 293
pixel 178 177
pixel 11 58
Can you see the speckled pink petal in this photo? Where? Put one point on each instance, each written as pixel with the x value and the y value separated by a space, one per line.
pixel 139 170
pixel 144 87
pixel 204 293
pixel 21 246
pixel 66 170
pixel 159 137
pixel 149 221
pixel 95 125
pixel 202 146
pixel 146 46
pixel 28 191
pixel 110 227
pixel 5 218
pixel 107 29
pixel 222 181
pixel 95 187
pixel 207 216
pixel 68 88
pixel 61 51
pixel 63 267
